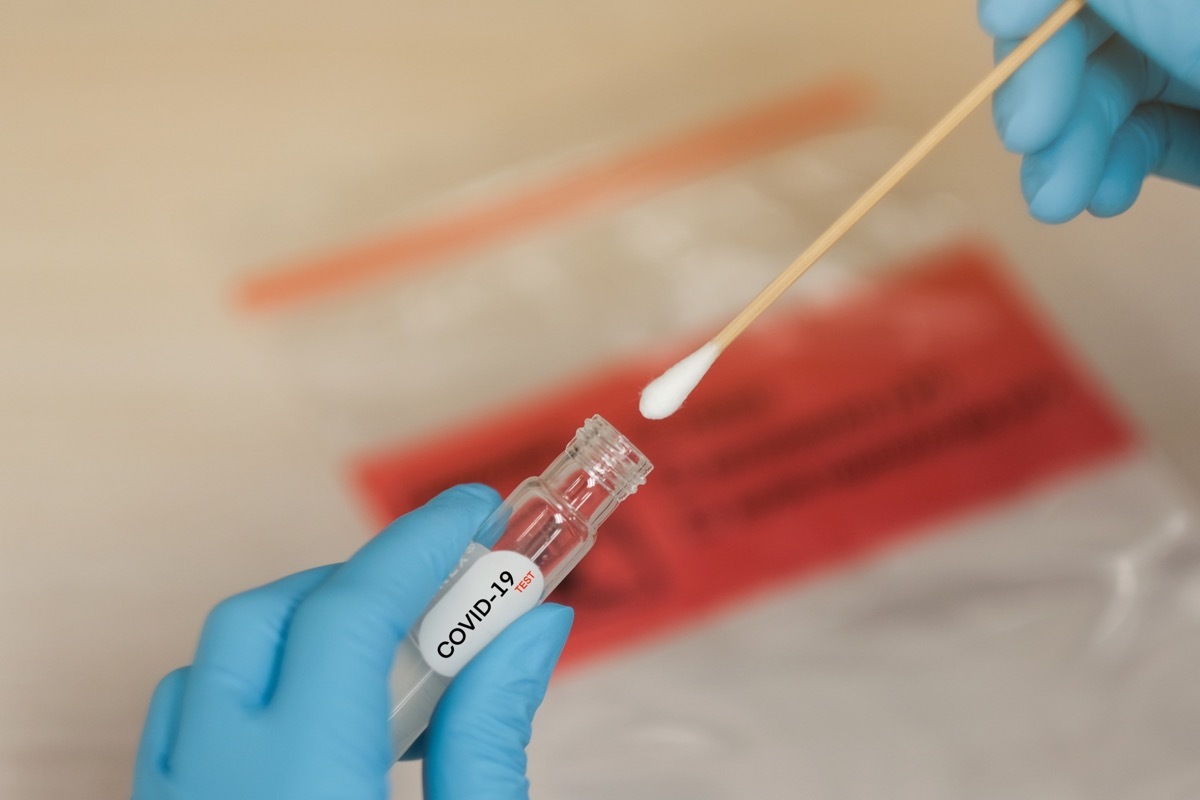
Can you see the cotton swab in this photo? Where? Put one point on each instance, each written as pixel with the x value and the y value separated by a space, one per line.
pixel 664 395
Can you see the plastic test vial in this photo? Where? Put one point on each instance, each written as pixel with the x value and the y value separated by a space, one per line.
pixel 523 550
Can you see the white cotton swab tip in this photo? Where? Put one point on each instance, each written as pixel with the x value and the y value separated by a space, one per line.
pixel 666 393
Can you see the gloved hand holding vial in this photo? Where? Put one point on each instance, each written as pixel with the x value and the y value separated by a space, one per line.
pixel 297 691
pixel 1111 99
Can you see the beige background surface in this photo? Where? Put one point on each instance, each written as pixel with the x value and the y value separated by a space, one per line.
pixel 153 459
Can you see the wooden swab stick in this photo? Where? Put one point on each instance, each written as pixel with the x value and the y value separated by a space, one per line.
pixel 1002 72
pixel 664 395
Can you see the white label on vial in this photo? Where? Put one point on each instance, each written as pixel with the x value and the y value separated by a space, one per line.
pixel 493 592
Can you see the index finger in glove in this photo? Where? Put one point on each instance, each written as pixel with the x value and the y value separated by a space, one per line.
pixel 1033 106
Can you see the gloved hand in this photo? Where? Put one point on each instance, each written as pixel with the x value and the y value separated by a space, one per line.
pixel 288 693
pixel 1110 99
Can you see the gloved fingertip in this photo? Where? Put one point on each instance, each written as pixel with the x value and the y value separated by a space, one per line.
pixel 1114 197
pixel 471 493
pixel 1050 207
pixel 517 665
pixel 1104 211
pixel 555 622
pixel 1136 147
pixel 558 611
pixel 1035 172
pixel 991 15
pixel 1022 131
pixel 1012 20
pixel 1049 188
pixel 1011 136
pixel 530 649
pixel 161 727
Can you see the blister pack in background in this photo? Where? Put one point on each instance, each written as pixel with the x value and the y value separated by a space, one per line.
pixel 898 544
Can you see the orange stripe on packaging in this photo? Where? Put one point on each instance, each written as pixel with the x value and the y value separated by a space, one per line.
pixel 830 106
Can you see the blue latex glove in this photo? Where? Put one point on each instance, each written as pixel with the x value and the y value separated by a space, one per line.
pixel 288 695
pixel 1112 98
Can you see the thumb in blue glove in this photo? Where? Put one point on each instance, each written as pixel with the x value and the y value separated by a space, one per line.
pixel 1112 98
pixel 288 692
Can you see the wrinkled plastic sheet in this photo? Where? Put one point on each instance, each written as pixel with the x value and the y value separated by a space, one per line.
pixel 1040 642
pixel 1043 649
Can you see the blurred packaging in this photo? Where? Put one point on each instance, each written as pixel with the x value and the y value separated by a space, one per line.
pixel 897 545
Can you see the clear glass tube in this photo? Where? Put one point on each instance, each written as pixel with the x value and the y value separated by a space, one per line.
pixel 519 555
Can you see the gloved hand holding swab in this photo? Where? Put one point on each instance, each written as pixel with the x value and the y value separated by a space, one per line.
pixel 664 395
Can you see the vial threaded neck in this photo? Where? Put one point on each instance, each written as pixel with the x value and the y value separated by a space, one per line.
pixel 609 458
